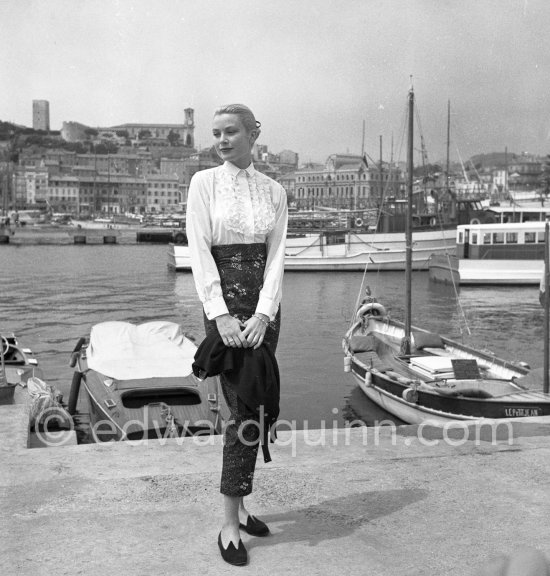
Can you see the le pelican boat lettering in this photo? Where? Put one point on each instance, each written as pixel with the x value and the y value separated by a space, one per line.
pixel 512 412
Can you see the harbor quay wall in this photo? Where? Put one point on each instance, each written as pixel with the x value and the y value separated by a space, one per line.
pixel 351 501
pixel 64 236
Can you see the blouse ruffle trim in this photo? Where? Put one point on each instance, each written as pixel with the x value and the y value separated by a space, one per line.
pixel 235 208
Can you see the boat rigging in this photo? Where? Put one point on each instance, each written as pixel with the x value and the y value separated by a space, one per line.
pixel 419 376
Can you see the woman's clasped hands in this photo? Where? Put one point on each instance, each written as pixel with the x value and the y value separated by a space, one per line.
pixel 237 334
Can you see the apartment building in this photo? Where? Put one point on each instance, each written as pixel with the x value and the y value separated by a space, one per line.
pixel 30 185
pixel 163 194
pixel 64 194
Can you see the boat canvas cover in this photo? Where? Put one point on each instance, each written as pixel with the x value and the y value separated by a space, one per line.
pixel 440 366
pixel 125 351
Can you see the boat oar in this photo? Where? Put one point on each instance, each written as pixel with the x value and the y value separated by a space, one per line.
pixel 74 392
pixel 77 377
pixel 3 378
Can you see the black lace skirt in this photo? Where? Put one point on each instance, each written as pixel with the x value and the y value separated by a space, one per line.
pixel 241 268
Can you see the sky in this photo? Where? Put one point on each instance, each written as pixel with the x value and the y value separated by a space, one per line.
pixel 315 72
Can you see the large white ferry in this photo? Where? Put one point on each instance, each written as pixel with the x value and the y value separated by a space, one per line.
pixel 509 253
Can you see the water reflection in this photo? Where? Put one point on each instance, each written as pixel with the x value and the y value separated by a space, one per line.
pixel 52 295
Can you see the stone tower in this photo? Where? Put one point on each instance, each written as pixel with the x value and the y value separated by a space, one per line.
pixel 41 115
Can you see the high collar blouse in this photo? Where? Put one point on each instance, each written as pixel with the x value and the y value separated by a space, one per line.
pixel 227 205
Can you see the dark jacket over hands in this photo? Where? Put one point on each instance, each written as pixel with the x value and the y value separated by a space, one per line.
pixel 253 374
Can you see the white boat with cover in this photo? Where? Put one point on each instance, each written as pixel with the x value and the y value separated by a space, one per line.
pixel 139 382
pixel 345 250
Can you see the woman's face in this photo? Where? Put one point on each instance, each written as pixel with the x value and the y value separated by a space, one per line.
pixel 232 141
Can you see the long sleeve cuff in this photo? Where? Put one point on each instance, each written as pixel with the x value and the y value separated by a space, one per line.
pixel 215 307
pixel 267 306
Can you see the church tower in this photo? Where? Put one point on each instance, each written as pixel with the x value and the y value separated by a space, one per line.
pixel 189 128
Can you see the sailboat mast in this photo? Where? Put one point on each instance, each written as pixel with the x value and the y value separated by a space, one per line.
pixel 408 229
pixel 506 192
pixel 448 143
pixel 7 194
pixel 381 171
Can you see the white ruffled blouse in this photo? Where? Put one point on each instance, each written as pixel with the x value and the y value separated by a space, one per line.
pixel 227 205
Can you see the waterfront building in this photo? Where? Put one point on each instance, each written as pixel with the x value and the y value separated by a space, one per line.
pixel 84 171
pixel 287 161
pixel 36 186
pixel 346 181
pixel 525 174
pixel 288 182
pixel 201 160
pixel 163 194
pixel 63 194
pixel 174 167
pixel 500 180
pixel 274 164
pixel 29 186
pixel 140 164
pixel 41 115
pixel 6 199
pixel 509 174
pixel 92 184
pixel 111 194
pixel 19 188
pixel 56 161
pixel 267 168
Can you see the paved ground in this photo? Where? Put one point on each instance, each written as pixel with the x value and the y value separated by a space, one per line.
pixel 354 503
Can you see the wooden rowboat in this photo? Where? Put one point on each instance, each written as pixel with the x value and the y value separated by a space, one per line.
pixel 17 365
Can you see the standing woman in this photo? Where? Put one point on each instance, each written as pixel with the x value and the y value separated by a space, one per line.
pixel 236 226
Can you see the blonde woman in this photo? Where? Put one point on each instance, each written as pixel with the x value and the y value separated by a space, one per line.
pixel 236 226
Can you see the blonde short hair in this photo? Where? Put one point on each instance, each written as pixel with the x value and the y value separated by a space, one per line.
pixel 243 112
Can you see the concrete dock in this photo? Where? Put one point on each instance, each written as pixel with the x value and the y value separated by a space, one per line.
pixel 404 501
pixel 66 235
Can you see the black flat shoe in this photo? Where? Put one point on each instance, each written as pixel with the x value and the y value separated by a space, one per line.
pixel 236 556
pixel 255 527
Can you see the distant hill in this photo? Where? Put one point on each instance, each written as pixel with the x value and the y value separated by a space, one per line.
pixel 8 128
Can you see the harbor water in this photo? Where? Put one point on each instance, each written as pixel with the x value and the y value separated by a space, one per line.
pixel 53 294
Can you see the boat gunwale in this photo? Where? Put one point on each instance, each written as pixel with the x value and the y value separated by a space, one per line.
pixel 452 416
pixel 123 413
pixel 462 347
pixel 529 396
pixel 418 407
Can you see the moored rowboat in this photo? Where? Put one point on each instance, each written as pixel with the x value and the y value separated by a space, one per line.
pixel 139 383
